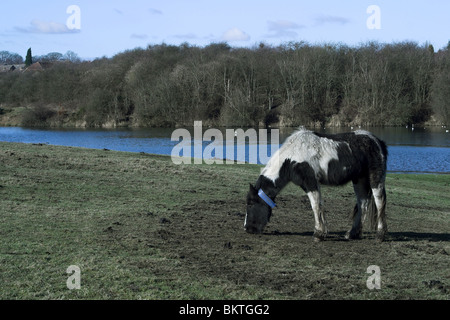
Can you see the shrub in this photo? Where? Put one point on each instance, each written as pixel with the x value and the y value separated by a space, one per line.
pixel 38 116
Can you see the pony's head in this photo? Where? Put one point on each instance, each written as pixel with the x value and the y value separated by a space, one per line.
pixel 258 212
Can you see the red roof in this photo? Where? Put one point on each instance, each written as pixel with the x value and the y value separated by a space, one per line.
pixel 34 67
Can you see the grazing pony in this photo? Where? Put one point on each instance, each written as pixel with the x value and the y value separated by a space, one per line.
pixel 309 159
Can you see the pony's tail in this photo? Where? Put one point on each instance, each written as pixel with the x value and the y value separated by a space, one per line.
pixel 371 214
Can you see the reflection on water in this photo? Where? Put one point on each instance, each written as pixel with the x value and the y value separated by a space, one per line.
pixel 419 136
pixel 418 150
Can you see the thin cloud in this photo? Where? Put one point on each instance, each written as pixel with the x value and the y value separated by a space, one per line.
pixel 39 26
pixel 324 19
pixel 235 34
pixel 139 36
pixel 155 11
pixel 186 36
pixel 283 28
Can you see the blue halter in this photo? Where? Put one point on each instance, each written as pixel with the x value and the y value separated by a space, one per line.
pixel 266 199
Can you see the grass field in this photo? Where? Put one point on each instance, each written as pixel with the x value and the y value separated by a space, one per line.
pixel 140 227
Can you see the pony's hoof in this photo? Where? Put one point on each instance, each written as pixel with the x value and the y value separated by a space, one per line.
pixel 319 235
pixel 380 236
pixel 352 235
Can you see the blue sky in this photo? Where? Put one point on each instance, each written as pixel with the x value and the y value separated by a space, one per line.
pixel 108 27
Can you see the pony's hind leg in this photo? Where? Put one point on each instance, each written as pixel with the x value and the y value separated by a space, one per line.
pixel 362 191
pixel 379 195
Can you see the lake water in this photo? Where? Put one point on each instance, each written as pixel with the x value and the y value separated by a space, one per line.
pixel 422 150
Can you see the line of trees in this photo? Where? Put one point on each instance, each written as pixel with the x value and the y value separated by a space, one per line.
pixel 11 58
pixel 292 84
pixel 7 57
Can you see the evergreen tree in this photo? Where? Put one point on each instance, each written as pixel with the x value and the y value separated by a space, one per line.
pixel 28 59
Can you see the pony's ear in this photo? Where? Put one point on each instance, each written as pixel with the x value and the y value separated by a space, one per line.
pixel 252 195
pixel 253 190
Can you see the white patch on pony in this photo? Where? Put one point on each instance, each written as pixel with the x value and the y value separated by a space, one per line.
pixel 303 146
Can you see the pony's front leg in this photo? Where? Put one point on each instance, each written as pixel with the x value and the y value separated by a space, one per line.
pixel 320 226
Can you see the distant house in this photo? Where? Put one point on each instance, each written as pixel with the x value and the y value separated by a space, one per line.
pixel 39 66
pixel 35 67
pixel 11 67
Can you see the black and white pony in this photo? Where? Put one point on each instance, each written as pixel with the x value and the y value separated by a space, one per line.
pixel 309 159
